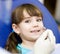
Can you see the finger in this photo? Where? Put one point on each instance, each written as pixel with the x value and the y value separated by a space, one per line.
pixel 51 39
pixel 43 36
pixel 51 36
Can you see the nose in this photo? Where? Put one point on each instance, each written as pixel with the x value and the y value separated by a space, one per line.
pixel 35 24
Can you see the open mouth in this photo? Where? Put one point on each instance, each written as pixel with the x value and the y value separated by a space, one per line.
pixel 34 31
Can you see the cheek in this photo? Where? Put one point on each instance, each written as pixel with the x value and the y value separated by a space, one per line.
pixel 41 24
pixel 25 27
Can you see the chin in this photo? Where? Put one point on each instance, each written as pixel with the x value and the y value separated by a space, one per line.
pixel 34 39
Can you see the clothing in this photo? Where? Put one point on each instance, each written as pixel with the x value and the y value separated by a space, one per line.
pixel 27 51
pixel 3 51
pixel 24 50
pixel 57 49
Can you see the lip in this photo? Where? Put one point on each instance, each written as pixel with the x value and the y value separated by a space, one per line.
pixel 34 31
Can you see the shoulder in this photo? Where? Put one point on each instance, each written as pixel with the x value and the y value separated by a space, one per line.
pixel 3 51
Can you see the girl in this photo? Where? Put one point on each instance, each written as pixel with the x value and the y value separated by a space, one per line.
pixel 29 32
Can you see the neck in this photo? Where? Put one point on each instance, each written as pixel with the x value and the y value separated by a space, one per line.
pixel 27 44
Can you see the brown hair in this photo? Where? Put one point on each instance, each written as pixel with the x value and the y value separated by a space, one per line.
pixel 12 42
pixel 17 16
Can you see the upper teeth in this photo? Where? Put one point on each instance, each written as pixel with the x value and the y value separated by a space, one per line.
pixel 35 31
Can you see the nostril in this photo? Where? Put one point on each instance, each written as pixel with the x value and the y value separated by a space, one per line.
pixel 35 26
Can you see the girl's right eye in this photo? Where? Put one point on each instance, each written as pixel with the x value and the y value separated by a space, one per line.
pixel 27 21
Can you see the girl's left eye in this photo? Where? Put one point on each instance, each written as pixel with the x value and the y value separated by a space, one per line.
pixel 38 20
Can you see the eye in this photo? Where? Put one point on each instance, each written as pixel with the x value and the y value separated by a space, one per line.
pixel 38 20
pixel 27 21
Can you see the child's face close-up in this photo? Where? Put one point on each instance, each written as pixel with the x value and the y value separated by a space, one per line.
pixel 31 27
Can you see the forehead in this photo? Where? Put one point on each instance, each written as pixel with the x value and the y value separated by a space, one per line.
pixel 26 15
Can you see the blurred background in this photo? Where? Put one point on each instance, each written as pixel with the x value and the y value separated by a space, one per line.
pixel 54 7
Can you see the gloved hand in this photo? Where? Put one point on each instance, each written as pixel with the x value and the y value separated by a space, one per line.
pixel 45 44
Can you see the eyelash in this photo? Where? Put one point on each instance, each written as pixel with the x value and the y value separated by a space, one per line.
pixel 39 20
pixel 28 21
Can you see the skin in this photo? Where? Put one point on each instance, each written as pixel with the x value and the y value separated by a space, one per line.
pixel 29 29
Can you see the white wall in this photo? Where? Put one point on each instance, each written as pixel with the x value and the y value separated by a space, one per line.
pixel 42 1
pixel 57 12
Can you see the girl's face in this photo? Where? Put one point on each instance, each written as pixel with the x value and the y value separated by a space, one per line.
pixel 31 27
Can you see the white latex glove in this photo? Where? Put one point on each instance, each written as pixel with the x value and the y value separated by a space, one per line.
pixel 45 44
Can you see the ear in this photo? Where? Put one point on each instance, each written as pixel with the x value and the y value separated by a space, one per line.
pixel 16 28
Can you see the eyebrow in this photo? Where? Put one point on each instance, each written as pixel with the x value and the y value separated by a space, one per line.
pixel 30 17
pixel 26 17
